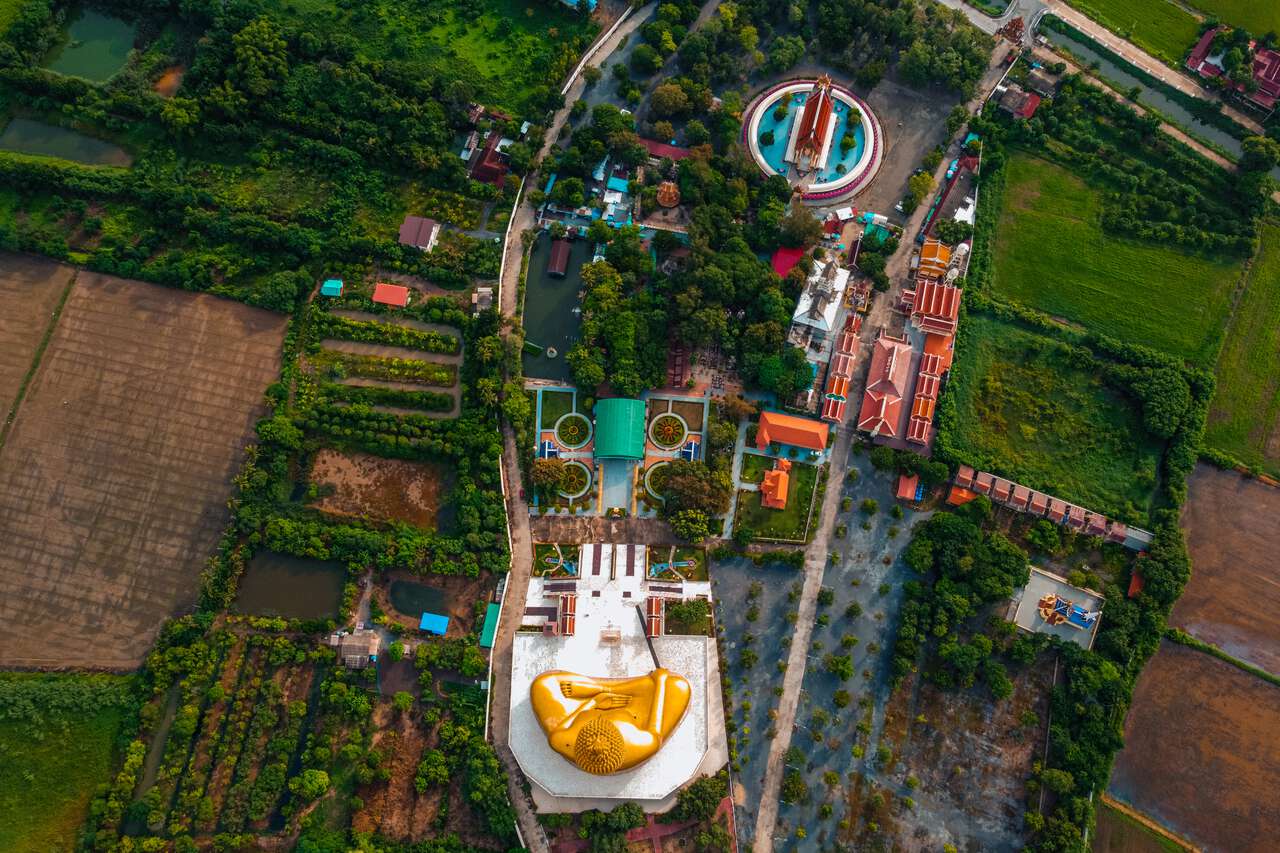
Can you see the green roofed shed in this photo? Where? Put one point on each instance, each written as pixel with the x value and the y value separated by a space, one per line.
pixel 331 287
pixel 619 428
pixel 490 626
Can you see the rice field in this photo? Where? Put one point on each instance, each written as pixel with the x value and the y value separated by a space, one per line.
pixel 1159 27
pixel 1256 16
pixel 1051 254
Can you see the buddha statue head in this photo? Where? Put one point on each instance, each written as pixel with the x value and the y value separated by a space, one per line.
pixel 608 725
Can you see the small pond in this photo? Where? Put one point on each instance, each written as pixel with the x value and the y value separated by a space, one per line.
pixel 292 587
pixel 96 48
pixel 32 137
pixel 413 599
pixel 552 315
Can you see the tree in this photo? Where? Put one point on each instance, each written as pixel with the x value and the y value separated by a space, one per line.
pixel 181 115
pixel 402 701
pixel 310 784
pixel 690 525
pixel 1044 536
pixel 800 227
pixel 693 485
pixel 953 231
pixel 548 473
pixel 645 60
pixel 569 192
pixel 669 100
pixel 261 56
pixel 592 74
pixel 664 130
pixel 432 770
pixel 920 186
pixel 841 666
pixel 794 790
pixel 700 799
pixel 785 52
pixel 1166 400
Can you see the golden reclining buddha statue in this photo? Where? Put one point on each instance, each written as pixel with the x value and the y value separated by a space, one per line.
pixel 608 725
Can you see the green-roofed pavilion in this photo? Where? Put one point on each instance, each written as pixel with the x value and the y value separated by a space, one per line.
pixel 490 627
pixel 619 430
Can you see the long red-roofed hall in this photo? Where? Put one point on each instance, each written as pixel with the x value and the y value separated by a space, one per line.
pixel 776 427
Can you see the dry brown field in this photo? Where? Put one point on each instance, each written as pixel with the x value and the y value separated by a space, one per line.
pixel 30 289
pixel 1201 754
pixel 1232 525
pixel 115 477
pixel 363 485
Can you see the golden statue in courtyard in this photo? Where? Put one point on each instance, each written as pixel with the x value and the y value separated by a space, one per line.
pixel 607 725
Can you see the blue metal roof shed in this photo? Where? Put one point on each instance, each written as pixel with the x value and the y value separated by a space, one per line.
pixel 331 287
pixel 434 623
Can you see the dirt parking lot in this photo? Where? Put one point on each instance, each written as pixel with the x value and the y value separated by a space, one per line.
pixel 115 476
pixel 1201 754
pixel 30 289
pixel 1232 525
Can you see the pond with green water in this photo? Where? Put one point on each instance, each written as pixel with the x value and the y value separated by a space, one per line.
pixel 96 48
pixel 27 136
pixel 292 587
pixel 551 309
pixel 413 599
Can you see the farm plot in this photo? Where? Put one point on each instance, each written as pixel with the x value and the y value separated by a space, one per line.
pixel 1050 253
pixel 366 486
pixel 114 478
pixel 1244 418
pixel 1233 597
pixel 1025 412
pixel 1165 30
pixel 30 290
pixel 1201 754
pixel 1256 17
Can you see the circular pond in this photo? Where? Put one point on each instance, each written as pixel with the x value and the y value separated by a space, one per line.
pixel 577 479
pixel 668 431
pixel 573 431
pixel 655 480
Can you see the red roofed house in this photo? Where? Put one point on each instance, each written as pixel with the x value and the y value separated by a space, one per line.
pixel 848 342
pixel 881 411
pixel 773 490
pixel 960 496
pixel 964 476
pixel 1075 517
pixel 1039 504
pixel 833 409
pixel 935 256
pixel 1021 497
pixel 1058 510
pixel 659 150
pixel 842 365
pixel 927 387
pixel 936 307
pixel 775 427
pixel 419 233
pixel 907 486
pixel 1095 525
pixel 558 261
pixel 1117 532
pixel 983 482
pixel 920 429
pixel 1019 103
pixel 1266 70
pixel 1001 490
pixel 489 165
pixel 390 294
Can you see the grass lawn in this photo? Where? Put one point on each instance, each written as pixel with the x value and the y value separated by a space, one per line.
pixel 54 757
pixel 554 405
pixel 786 523
pixel 1022 411
pixel 1159 27
pixel 680 554
pixel 754 466
pixel 1244 418
pixel 1256 16
pixel 1050 253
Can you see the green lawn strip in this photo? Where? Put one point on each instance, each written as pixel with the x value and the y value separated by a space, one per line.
pixel 35 360
pixel 1256 16
pixel 754 466
pixel 1183 638
pixel 1246 405
pixel 787 523
pixel 1050 253
pixel 1159 27
pixel 58 742
pixel 555 405
pixel 1132 830
pixel 1025 412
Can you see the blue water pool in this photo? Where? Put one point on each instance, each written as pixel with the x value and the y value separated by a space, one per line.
pixel 782 129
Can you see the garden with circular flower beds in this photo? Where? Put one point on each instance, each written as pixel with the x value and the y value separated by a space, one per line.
pixel 577 479
pixel 573 430
pixel 668 431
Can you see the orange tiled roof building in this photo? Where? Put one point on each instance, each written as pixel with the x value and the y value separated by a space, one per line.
pixel 773 490
pixel 775 427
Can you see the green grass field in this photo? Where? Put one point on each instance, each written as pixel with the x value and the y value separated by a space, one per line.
pixel 1050 254
pixel 786 523
pixel 1024 412
pixel 1159 27
pixel 58 739
pixel 753 467
pixel 1256 16
pixel 1244 418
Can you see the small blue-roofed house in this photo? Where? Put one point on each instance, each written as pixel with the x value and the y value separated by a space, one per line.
pixel 434 623
pixel 331 287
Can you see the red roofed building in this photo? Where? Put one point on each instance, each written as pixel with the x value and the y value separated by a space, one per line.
pixel 935 256
pixel 419 233
pixel 1039 503
pixel 773 490
pixel 659 150
pixel 1075 517
pixel 983 482
pixel 1095 525
pixel 842 365
pixel 1118 532
pixel 964 476
pixel 813 137
pixel 848 342
pixel 558 260
pixel 775 427
pixel 1021 497
pixel 936 308
pixel 833 409
pixel 881 410
pixel 489 165
pixel 785 259
pixel 927 386
pixel 907 486
pixel 1058 510
pixel 838 386
pixel 390 294
pixel 922 407
pixel 1135 581
pixel 919 430
pixel 960 496
pixel 1001 489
